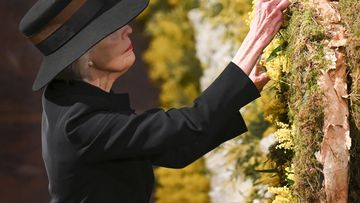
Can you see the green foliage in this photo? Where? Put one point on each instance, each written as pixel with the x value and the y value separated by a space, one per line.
pixel 275 52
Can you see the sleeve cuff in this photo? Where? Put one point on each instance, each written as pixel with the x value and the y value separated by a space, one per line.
pixel 232 90
pixel 249 88
pixel 234 127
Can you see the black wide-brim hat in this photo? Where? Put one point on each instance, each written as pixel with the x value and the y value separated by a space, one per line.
pixel 63 30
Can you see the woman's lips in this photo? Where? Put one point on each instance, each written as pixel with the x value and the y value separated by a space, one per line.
pixel 129 48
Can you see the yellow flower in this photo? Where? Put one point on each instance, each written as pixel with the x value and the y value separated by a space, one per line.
pixel 285 137
pixel 282 195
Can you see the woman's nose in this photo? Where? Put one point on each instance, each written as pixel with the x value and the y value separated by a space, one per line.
pixel 127 30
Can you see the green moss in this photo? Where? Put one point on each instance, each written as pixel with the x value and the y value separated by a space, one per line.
pixel 307 169
pixel 305 50
pixel 349 10
pixel 350 13
pixel 306 102
pixel 310 28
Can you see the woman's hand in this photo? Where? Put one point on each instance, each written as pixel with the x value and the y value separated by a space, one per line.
pixel 267 20
pixel 259 77
pixel 265 24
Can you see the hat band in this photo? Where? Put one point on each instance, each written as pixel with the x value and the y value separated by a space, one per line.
pixel 65 25
pixel 57 21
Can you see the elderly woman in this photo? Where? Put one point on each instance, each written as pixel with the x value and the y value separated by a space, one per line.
pixel 95 148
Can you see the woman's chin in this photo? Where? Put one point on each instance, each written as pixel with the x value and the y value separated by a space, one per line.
pixel 132 59
pixel 127 64
pixel 122 64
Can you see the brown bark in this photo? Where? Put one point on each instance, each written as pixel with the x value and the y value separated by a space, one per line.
pixel 334 152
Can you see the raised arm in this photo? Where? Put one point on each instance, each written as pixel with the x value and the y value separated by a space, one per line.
pixel 265 24
pixel 177 137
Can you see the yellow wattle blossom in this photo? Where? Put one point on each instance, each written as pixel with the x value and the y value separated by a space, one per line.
pixel 285 137
pixel 272 106
pixel 282 195
pixel 277 66
pixel 173 65
pixel 189 185
pixel 171 55
pixel 290 173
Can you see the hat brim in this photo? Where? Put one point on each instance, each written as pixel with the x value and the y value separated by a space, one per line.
pixel 107 23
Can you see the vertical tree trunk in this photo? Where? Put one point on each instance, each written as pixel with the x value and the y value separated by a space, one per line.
pixel 334 152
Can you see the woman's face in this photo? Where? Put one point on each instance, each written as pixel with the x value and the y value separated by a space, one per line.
pixel 114 53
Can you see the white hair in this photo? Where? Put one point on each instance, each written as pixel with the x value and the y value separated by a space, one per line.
pixel 74 70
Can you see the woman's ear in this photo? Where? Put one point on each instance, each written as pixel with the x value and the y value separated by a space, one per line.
pixel 81 66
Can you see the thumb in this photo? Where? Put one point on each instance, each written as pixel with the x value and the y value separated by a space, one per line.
pixel 262 80
pixel 264 77
pixel 258 69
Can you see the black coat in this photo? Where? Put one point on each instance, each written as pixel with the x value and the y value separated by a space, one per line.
pixel 96 149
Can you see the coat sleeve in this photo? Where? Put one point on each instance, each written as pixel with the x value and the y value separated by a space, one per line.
pixel 181 156
pixel 192 131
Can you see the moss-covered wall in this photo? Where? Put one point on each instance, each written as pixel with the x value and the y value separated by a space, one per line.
pixel 307 52
pixel 349 10
pixel 293 104
pixel 306 58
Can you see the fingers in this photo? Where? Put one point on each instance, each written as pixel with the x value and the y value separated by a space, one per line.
pixel 275 2
pixel 278 25
pixel 268 19
pixel 277 6
pixel 262 1
pixel 263 79
pixel 259 78
pixel 258 72
pixel 283 4
pixel 258 69
pixel 277 21
pixel 252 74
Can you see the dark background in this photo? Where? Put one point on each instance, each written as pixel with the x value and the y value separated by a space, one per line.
pixel 22 173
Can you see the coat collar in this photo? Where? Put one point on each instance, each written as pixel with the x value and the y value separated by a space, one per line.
pixel 79 91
